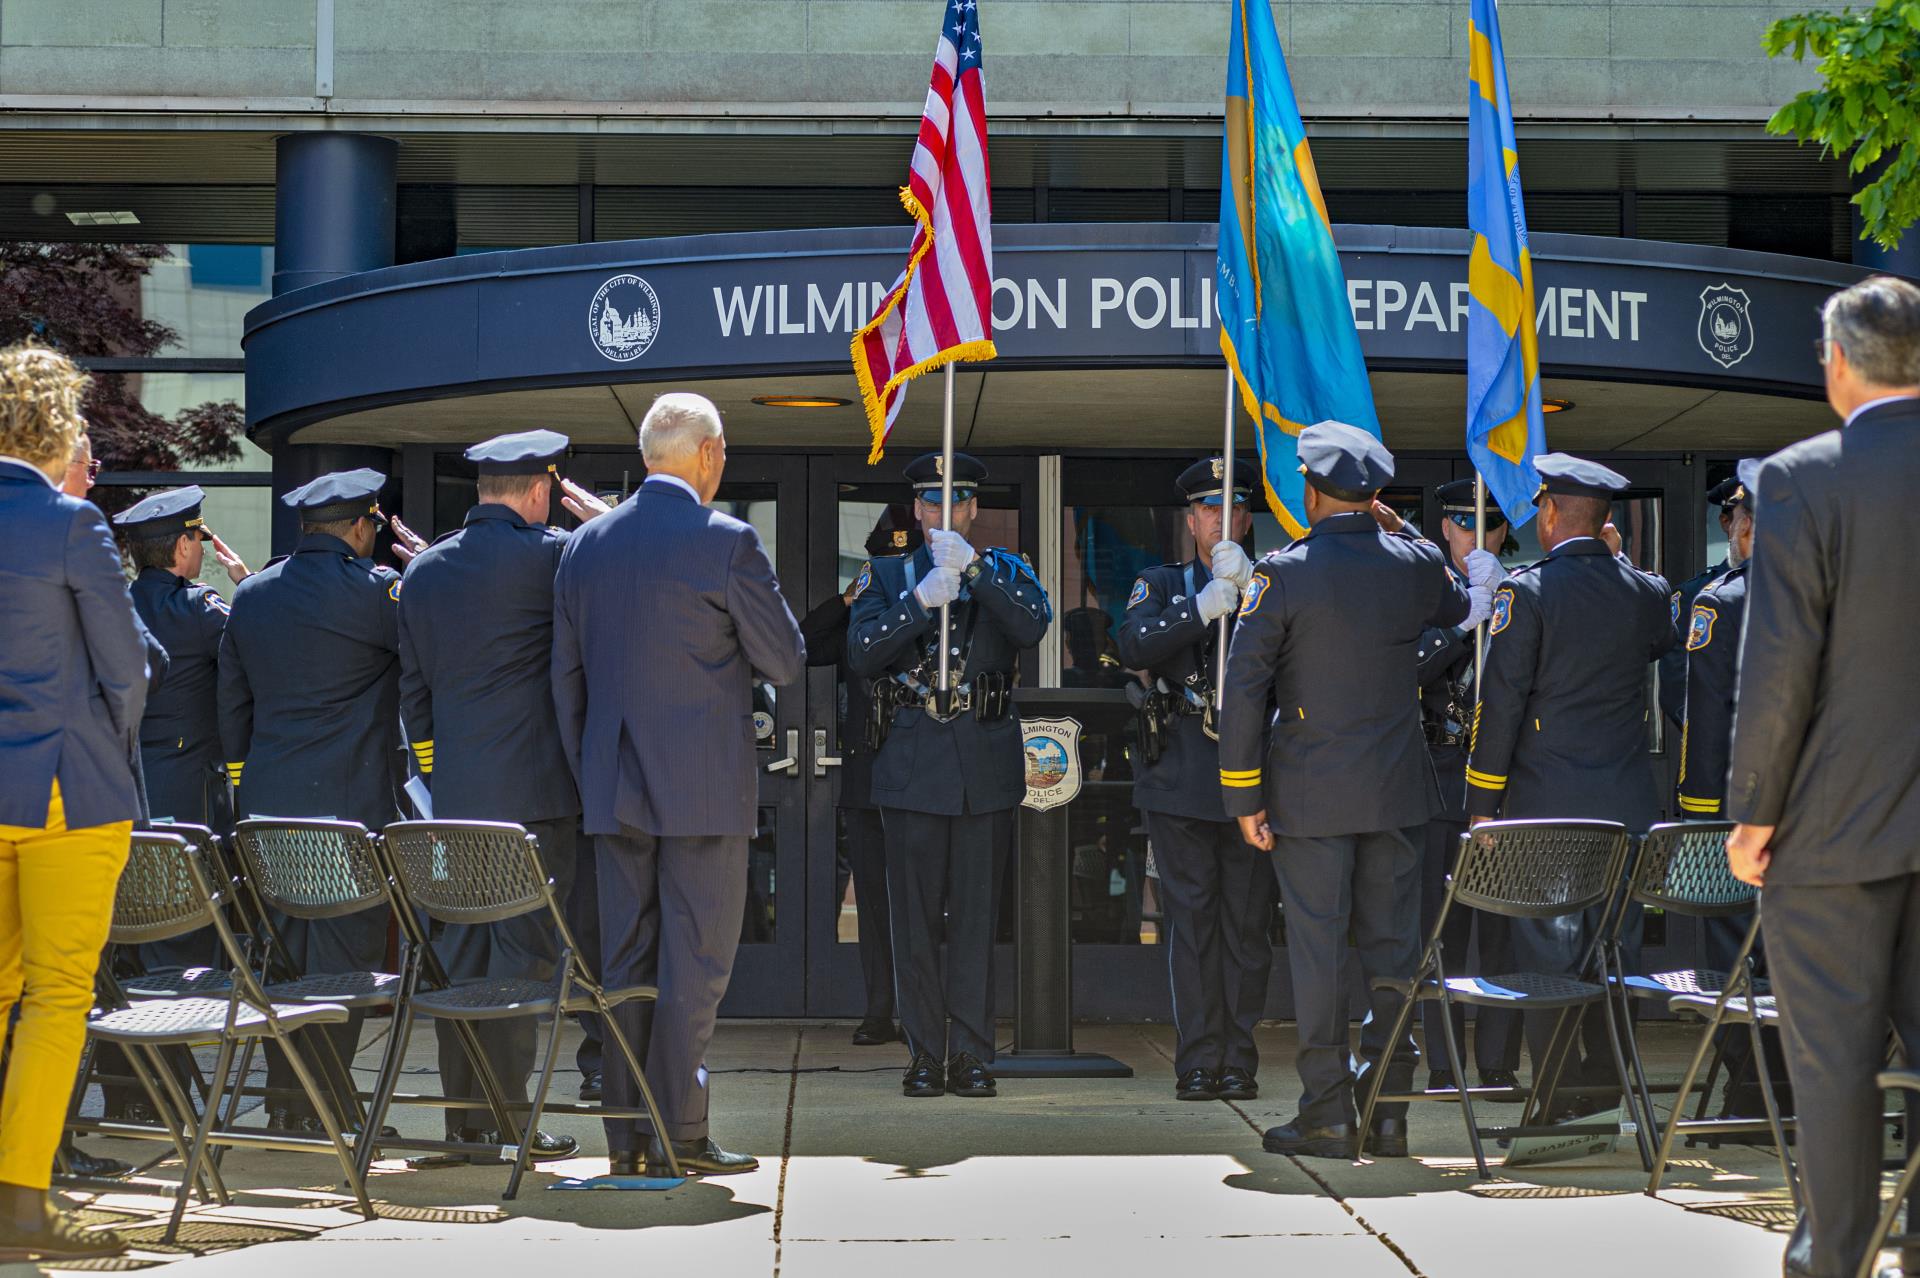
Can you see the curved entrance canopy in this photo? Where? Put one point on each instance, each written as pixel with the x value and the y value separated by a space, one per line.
pixel 1105 332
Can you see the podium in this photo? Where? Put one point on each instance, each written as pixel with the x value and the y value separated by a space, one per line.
pixel 1043 941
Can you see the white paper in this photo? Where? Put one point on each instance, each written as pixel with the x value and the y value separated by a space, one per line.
pixel 422 798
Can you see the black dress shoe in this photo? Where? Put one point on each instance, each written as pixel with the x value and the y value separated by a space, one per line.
pixel 1296 1137
pixel 875 1031
pixel 590 1085
pixel 1238 1085
pixel 57 1237
pixel 623 1162
pixel 967 1076
pixel 699 1157
pixel 924 1077
pixel 546 1146
pixel 1387 1138
pixel 1500 1078
pixel 81 1163
pixel 1197 1085
pixel 1441 1080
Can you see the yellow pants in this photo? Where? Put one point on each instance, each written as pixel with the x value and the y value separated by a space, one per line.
pixel 56 900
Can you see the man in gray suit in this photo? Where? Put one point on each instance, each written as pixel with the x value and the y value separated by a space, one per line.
pixel 665 614
pixel 1825 756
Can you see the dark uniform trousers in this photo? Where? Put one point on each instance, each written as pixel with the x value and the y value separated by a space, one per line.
pixel 1218 894
pixel 1373 880
pixel 526 948
pixel 1496 1037
pixel 583 920
pixel 1845 956
pixel 670 911
pixel 867 866
pixel 958 860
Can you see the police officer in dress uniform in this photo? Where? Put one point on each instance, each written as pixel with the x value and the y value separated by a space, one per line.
pixel 949 771
pixel 180 733
pixel 1328 636
pixel 1673 666
pixel 310 718
pixel 1217 888
pixel 825 631
pixel 1560 731
pixel 476 696
pixel 1446 692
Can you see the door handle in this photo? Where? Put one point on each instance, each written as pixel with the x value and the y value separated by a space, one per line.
pixel 821 759
pixel 791 764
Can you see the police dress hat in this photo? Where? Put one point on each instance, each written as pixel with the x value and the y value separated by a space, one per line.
pixel 527 452
pixel 1577 477
pixel 1344 462
pixel 923 472
pixel 1746 484
pixel 1721 494
pixel 1204 480
pixel 343 494
pixel 896 532
pixel 1456 503
pixel 166 515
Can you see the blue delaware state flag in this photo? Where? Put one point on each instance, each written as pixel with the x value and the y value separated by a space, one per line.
pixel 1504 428
pixel 1285 325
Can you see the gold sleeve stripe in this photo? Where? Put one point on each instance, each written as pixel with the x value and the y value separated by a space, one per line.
pixel 1699 805
pixel 1240 782
pixel 1484 781
pixel 233 772
pixel 1244 772
pixel 426 745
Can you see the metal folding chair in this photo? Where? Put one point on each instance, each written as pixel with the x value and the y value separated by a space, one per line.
pixel 1531 870
pixel 1681 868
pixel 165 892
pixel 1907 1081
pixel 1735 1004
pixel 477 872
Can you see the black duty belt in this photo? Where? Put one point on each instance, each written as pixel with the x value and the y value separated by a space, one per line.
pixel 1439 735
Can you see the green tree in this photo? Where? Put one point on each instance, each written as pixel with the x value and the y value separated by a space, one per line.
pixel 1868 110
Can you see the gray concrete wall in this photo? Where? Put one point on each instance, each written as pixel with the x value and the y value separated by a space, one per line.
pixel 1392 58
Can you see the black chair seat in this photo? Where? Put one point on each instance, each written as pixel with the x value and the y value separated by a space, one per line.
pixel 161 1022
pixel 1523 989
pixel 1904 1079
pixel 1709 981
pixel 349 989
pixel 507 997
pixel 192 982
pixel 1738 1011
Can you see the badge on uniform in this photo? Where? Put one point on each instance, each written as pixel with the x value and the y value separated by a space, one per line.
pixel 1139 595
pixel 865 579
pixel 1502 609
pixel 1256 591
pixel 215 602
pixel 1674 604
pixel 1700 632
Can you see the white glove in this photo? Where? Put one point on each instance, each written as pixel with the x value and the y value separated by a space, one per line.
pixel 1479 606
pixel 1484 569
pixel 1218 598
pixel 1231 562
pixel 942 586
pixel 948 549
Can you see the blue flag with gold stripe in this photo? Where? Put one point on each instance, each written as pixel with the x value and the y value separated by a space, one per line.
pixel 1285 325
pixel 1504 427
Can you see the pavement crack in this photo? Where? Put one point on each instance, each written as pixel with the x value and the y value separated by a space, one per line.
pixel 786 1149
pixel 1325 1186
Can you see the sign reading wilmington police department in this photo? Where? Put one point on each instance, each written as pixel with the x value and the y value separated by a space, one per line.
pixel 1136 295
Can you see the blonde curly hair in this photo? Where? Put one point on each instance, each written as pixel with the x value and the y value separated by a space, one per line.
pixel 40 395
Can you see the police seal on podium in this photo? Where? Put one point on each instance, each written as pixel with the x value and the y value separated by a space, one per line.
pixel 1052 748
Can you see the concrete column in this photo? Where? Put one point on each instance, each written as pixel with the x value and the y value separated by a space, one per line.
pixel 333 207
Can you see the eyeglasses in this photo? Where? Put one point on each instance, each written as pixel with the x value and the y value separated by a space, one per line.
pixel 1820 345
pixel 93 470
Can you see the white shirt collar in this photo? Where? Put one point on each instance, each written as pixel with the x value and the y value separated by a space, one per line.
pixel 27 465
pixel 1875 403
pixel 677 482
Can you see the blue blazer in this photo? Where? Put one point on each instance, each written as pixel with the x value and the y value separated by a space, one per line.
pixel 665 614
pixel 73 664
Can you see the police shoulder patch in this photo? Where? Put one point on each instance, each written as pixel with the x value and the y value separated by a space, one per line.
pixel 211 598
pixel 393 590
pixel 1700 631
pixel 1502 609
pixel 1139 595
pixel 1256 591
pixel 864 580
pixel 1674 603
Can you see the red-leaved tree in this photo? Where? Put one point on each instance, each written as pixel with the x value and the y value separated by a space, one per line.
pixel 82 300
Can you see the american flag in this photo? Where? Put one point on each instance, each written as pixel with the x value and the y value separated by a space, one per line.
pixel 941 308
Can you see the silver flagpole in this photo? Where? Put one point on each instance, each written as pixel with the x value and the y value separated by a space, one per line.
pixel 946 522
pixel 1226 531
pixel 1479 542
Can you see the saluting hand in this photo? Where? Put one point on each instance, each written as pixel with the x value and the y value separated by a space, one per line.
pixel 1387 517
pixel 580 503
pixel 1255 830
pixel 1748 854
pixel 406 542
pixel 1611 535
pixel 236 567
